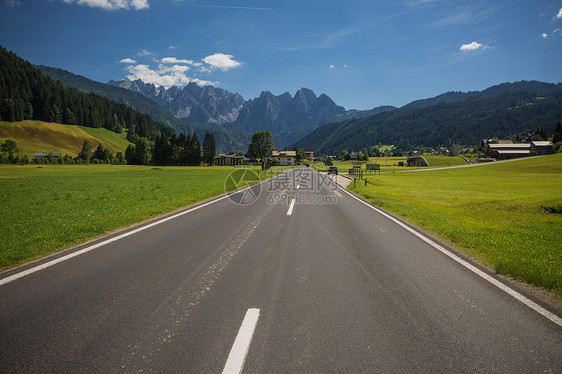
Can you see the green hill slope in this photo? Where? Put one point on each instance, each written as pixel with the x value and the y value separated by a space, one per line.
pixel 39 136
pixel 464 121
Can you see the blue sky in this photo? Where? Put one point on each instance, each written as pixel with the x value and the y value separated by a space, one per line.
pixel 360 53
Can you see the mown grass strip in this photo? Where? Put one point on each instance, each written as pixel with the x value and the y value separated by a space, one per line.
pixel 494 212
pixel 48 208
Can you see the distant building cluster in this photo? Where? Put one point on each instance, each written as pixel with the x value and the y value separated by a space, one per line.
pixel 507 149
pixel 285 158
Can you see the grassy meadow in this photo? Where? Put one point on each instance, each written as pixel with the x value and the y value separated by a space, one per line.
pixel 51 207
pixel 500 213
pixel 38 136
pixel 390 164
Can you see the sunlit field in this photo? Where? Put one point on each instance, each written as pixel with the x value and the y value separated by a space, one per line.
pixel 504 214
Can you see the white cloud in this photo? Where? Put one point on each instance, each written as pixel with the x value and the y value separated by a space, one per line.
pixel 173 71
pixel 166 76
pixel 112 4
pixel 332 67
pixel 559 15
pixel 220 61
pixel 471 46
pixel 12 3
pixel 545 35
pixel 173 60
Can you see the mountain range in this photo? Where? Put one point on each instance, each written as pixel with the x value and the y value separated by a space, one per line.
pixel 318 124
pixel 444 120
pixel 288 117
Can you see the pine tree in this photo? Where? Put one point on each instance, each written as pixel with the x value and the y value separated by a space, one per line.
pixel 99 153
pixel 194 151
pixel 182 149
pixel 86 152
pixel 162 151
pixel 209 149
pixel 557 137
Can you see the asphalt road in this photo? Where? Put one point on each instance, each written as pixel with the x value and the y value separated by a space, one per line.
pixel 327 285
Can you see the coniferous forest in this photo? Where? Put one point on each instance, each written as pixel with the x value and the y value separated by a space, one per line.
pixel 26 93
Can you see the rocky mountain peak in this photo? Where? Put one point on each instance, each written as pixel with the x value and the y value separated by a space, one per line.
pixel 287 117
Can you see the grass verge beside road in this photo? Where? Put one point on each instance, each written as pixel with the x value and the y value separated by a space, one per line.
pixel 51 207
pixel 502 214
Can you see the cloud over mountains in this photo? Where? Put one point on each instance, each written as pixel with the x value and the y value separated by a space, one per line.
pixel 173 71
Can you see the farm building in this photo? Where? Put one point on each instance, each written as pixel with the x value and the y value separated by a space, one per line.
pixel 416 161
pixel 506 151
pixel 45 155
pixel 541 147
pixel 515 150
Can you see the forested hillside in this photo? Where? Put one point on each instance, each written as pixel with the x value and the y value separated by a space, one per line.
pixel 26 93
pixel 465 121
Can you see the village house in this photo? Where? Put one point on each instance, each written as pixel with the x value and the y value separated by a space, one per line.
pixel 524 137
pixel 286 158
pixel 541 148
pixel 45 155
pixel 484 143
pixel 230 160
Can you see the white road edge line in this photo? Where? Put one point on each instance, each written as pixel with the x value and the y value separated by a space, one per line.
pixel 291 207
pixel 531 304
pixel 237 357
pixel 34 269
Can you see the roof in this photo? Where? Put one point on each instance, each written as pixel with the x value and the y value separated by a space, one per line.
pixel 542 143
pixel 510 146
pixel 513 152
pixel 45 154
pixel 284 154
pixel 228 156
pixel 501 141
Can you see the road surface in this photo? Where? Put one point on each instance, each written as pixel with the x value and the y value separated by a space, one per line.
pixel 290 276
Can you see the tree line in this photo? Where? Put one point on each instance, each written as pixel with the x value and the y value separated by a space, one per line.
pixel 174 150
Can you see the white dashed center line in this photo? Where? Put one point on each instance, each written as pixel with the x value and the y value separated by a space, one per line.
pixel 239 351
pixel 291 207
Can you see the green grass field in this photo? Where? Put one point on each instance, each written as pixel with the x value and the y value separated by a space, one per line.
pixel 444 161
pixel 117 141
pixel 38 136
pixel 51 207
pixel 390 164
pixel 494 212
